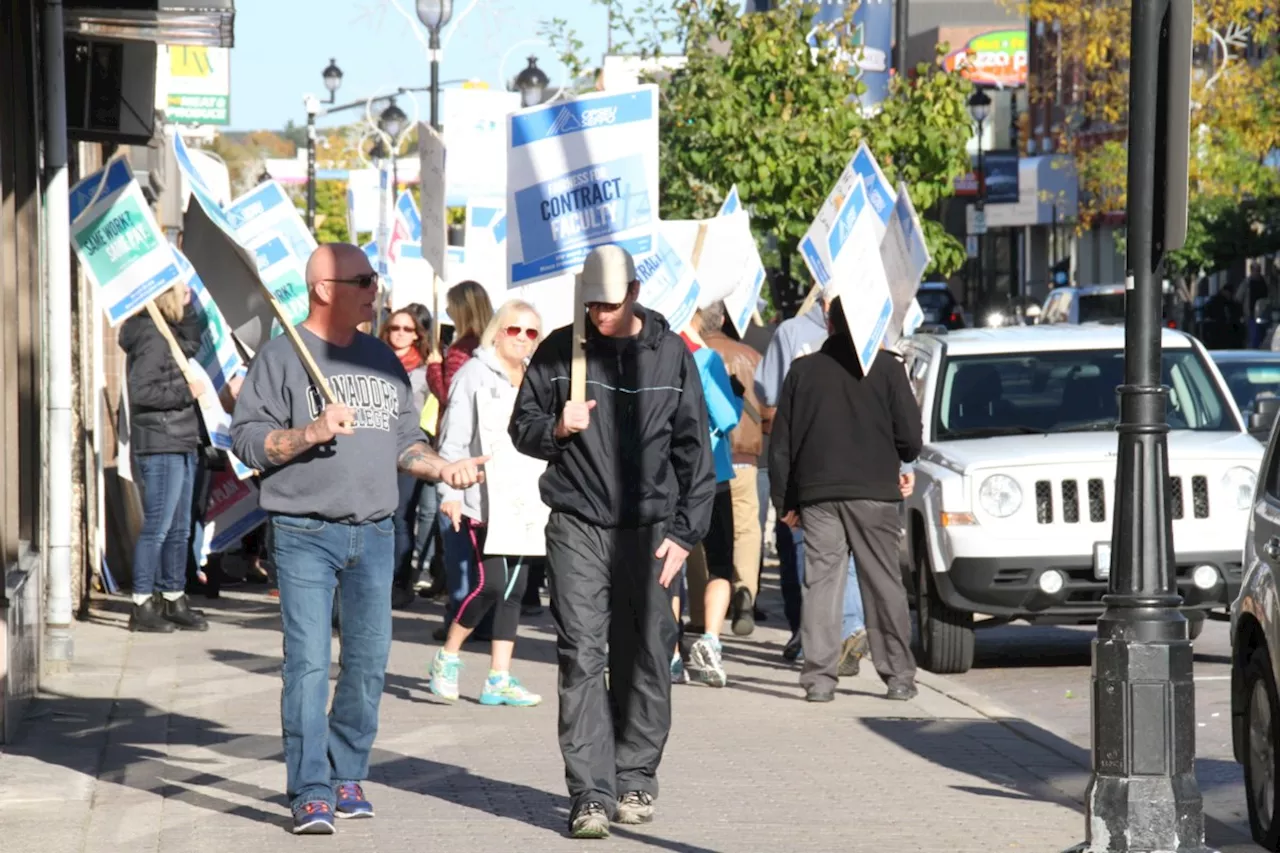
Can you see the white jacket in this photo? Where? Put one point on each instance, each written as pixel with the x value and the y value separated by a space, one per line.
pixel 480 385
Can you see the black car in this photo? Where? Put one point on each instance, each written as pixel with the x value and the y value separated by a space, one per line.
pixel 939 306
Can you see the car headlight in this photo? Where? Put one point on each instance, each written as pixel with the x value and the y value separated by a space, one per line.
pixel 1240 483
pixel 1000 496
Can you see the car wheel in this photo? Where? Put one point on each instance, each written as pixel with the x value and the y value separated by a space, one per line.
pixel 1195 625
pixel 1261 728
pixel 946 634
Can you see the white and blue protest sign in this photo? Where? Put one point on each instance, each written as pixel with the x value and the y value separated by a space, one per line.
pixel 842 251
pixel 267 209
pixel 200 190
pixel 740 303
pixel 411 277
pixel 233 511
pixel 284 277
pixel 218 356
pixel 407 213
pixel 880 194
pixel 119 243
pixel 668 284
pixel 580 174
pixel 904 255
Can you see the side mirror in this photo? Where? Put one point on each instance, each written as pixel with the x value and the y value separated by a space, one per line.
pixel 1266 406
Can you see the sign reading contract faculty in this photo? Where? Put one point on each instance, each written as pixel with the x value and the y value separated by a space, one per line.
pixel 581 174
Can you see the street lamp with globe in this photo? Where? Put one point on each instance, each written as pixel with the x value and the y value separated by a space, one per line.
pixel 980 111
pixel 392 123
pixel 435 14
pixel 332 76
pixel 531 83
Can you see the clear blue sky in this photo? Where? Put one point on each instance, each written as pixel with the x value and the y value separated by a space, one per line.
pixel 283 45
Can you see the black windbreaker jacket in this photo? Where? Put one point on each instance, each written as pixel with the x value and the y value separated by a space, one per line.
pixel 646 457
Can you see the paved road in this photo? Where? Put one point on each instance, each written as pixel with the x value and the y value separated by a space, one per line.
pixel 1044 673
pixel 171 744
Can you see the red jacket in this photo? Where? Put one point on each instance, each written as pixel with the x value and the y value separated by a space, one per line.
pixel 440 375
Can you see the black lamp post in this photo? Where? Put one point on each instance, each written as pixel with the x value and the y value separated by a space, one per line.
pixel 980 110
pixel 434 14
pixel 532 82
pixel 332 80
pixel 392 122
pixel 1143 794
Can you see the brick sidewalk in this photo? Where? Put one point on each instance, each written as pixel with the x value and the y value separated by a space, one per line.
pixel 172 744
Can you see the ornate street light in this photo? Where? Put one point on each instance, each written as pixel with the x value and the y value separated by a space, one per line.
pixel 392 121
pixel 435 14
pixel 531 83
pixel 980 110
pixel 332 78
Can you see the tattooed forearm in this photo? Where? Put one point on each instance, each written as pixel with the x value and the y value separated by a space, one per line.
pixel 284 445
pixel 420 461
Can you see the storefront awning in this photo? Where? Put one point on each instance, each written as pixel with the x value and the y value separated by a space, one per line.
pixel 192 22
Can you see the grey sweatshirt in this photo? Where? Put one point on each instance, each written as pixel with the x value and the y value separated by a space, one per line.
pixel 353 479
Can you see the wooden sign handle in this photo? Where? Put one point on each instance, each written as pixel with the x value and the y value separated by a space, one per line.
pixel 578 369
pixel 435 313
pixel 165 332
pixel 809 300
pixel 304 354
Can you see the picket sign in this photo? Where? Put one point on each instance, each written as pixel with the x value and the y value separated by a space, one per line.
pixel 578 371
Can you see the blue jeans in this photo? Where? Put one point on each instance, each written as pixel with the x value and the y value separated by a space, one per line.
pixel 424 543
pixel 160 555
pixel 791 572
pixel 324 748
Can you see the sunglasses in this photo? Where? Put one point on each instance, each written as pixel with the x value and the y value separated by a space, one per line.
pixel 364 282
pixel 514 332
pixel 605 306
pixel 409 329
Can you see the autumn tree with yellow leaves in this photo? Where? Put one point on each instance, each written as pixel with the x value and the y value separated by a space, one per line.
pixel 1235 117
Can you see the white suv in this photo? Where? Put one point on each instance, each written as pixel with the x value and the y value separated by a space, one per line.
pixel 1012 512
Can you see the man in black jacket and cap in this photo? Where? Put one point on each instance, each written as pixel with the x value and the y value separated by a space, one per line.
pixel 839 437
pixel 630 485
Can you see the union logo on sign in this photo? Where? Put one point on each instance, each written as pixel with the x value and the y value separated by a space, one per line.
pixel 565 122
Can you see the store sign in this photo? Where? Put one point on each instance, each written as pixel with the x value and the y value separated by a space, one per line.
pixel 992 59
pixel 199 85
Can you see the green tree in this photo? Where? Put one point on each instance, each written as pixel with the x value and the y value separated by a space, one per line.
pixel 756 107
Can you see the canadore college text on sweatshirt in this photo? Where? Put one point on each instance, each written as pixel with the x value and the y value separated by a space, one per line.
pixel 353 479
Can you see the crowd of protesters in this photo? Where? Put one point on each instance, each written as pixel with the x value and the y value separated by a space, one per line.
pixel 656 488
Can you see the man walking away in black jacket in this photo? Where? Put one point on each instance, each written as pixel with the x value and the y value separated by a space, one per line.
pixel 630 485
pixel 838 438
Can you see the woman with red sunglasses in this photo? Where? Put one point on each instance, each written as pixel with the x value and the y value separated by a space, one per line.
pixel 481 398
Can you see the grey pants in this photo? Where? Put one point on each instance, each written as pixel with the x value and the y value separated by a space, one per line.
pixel 610 611
pixel 870 530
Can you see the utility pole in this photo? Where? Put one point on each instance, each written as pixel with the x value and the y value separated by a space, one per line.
pixel 1143 796
pixel 902 10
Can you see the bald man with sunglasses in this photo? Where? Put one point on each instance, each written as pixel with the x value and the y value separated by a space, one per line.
pixel 329 485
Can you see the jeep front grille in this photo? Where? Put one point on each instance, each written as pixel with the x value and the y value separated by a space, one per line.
pixel 1070 502
pixel 1097 501
pixel 1044 502
pixel 1096 492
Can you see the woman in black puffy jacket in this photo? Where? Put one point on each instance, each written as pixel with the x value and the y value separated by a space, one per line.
pixel 164 435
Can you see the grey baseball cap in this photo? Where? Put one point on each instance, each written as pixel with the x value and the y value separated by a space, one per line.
pixel 606 274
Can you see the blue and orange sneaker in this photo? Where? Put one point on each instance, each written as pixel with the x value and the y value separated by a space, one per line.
pixel 351 801
pixel 314 818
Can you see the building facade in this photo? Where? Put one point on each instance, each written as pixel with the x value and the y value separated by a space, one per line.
pixel 80 80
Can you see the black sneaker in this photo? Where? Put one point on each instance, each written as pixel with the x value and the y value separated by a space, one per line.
pixel 744 616
pixel 181 614
pixel 148 617
pixel 792 651
pixel 635 807
pixel 851 654
pixel 589 820
pixel 902 691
